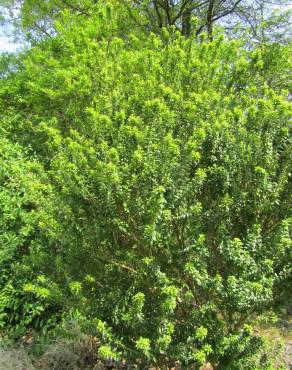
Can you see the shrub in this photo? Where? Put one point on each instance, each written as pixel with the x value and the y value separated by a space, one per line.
pixel 169 164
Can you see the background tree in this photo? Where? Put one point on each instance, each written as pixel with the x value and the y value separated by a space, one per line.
pixel 36 18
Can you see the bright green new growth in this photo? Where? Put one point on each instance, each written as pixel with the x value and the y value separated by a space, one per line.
pixel 154 193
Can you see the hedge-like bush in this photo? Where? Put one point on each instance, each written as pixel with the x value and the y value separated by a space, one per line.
pixel 167 223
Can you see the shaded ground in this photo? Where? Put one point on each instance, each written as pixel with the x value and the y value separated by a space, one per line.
pixel 81 354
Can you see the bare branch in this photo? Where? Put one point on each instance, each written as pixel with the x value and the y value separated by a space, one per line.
pixel 227 12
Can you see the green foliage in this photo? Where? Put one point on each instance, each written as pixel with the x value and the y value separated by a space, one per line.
pixel 22 201
pixel 154 194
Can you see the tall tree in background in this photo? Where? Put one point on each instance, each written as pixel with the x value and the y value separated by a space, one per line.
pixel 36 18
pixel 228 13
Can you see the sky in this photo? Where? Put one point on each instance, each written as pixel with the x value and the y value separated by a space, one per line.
pixel 7 45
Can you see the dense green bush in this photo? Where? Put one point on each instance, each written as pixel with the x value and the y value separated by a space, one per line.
pixel 24 187
pixel 153 199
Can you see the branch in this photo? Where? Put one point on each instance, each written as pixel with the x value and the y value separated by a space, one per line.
pixel 180 13
pixel 76 9
pixel 41 29
pixel 227 12
pixel 218 17
pixel 121 265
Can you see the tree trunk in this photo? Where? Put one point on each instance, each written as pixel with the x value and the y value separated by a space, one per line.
pixel 186 23
pixel 209 22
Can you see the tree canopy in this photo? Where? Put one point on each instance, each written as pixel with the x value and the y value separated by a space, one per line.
pixel 262 19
